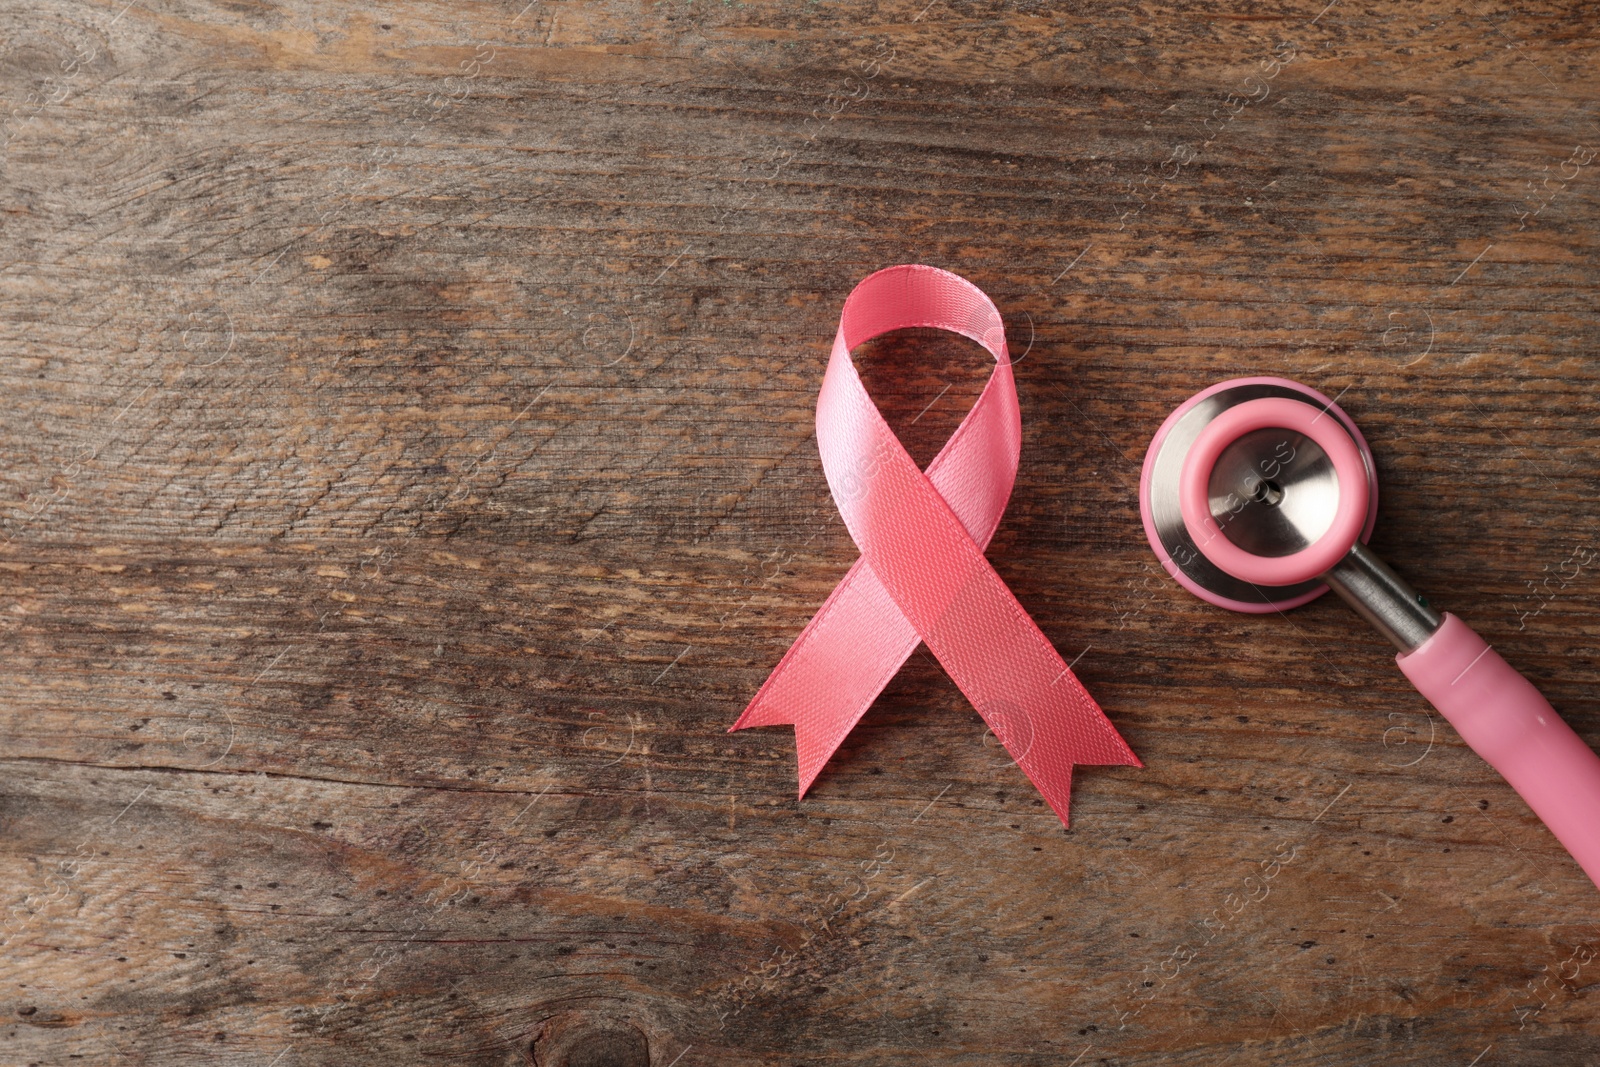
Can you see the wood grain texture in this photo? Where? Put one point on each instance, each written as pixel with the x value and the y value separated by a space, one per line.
pixel 410 474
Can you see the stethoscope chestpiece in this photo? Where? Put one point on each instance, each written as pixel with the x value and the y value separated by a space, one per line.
pixel 1243 493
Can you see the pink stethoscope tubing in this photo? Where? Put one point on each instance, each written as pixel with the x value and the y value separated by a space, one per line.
pixel 1513 727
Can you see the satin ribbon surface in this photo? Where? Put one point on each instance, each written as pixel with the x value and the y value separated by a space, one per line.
pixel 922 575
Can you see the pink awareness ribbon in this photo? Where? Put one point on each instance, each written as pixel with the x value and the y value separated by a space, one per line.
pixel 922 575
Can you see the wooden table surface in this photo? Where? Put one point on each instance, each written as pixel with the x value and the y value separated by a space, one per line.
pixel 410 474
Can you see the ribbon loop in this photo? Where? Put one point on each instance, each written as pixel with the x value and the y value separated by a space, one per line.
pixel 922 575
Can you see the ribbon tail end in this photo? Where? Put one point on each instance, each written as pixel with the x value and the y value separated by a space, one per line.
pixel 759 713
pixel 1110 750
pixel 813 745
pixel 812 755
pixel 1116 754
pixel 1057 792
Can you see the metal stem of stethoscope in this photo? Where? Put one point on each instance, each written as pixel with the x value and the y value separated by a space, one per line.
pixel 1383 598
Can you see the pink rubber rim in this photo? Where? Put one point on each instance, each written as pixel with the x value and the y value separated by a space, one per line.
pixel 1297 417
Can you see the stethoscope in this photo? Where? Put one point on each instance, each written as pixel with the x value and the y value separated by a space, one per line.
pixel 1258 495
